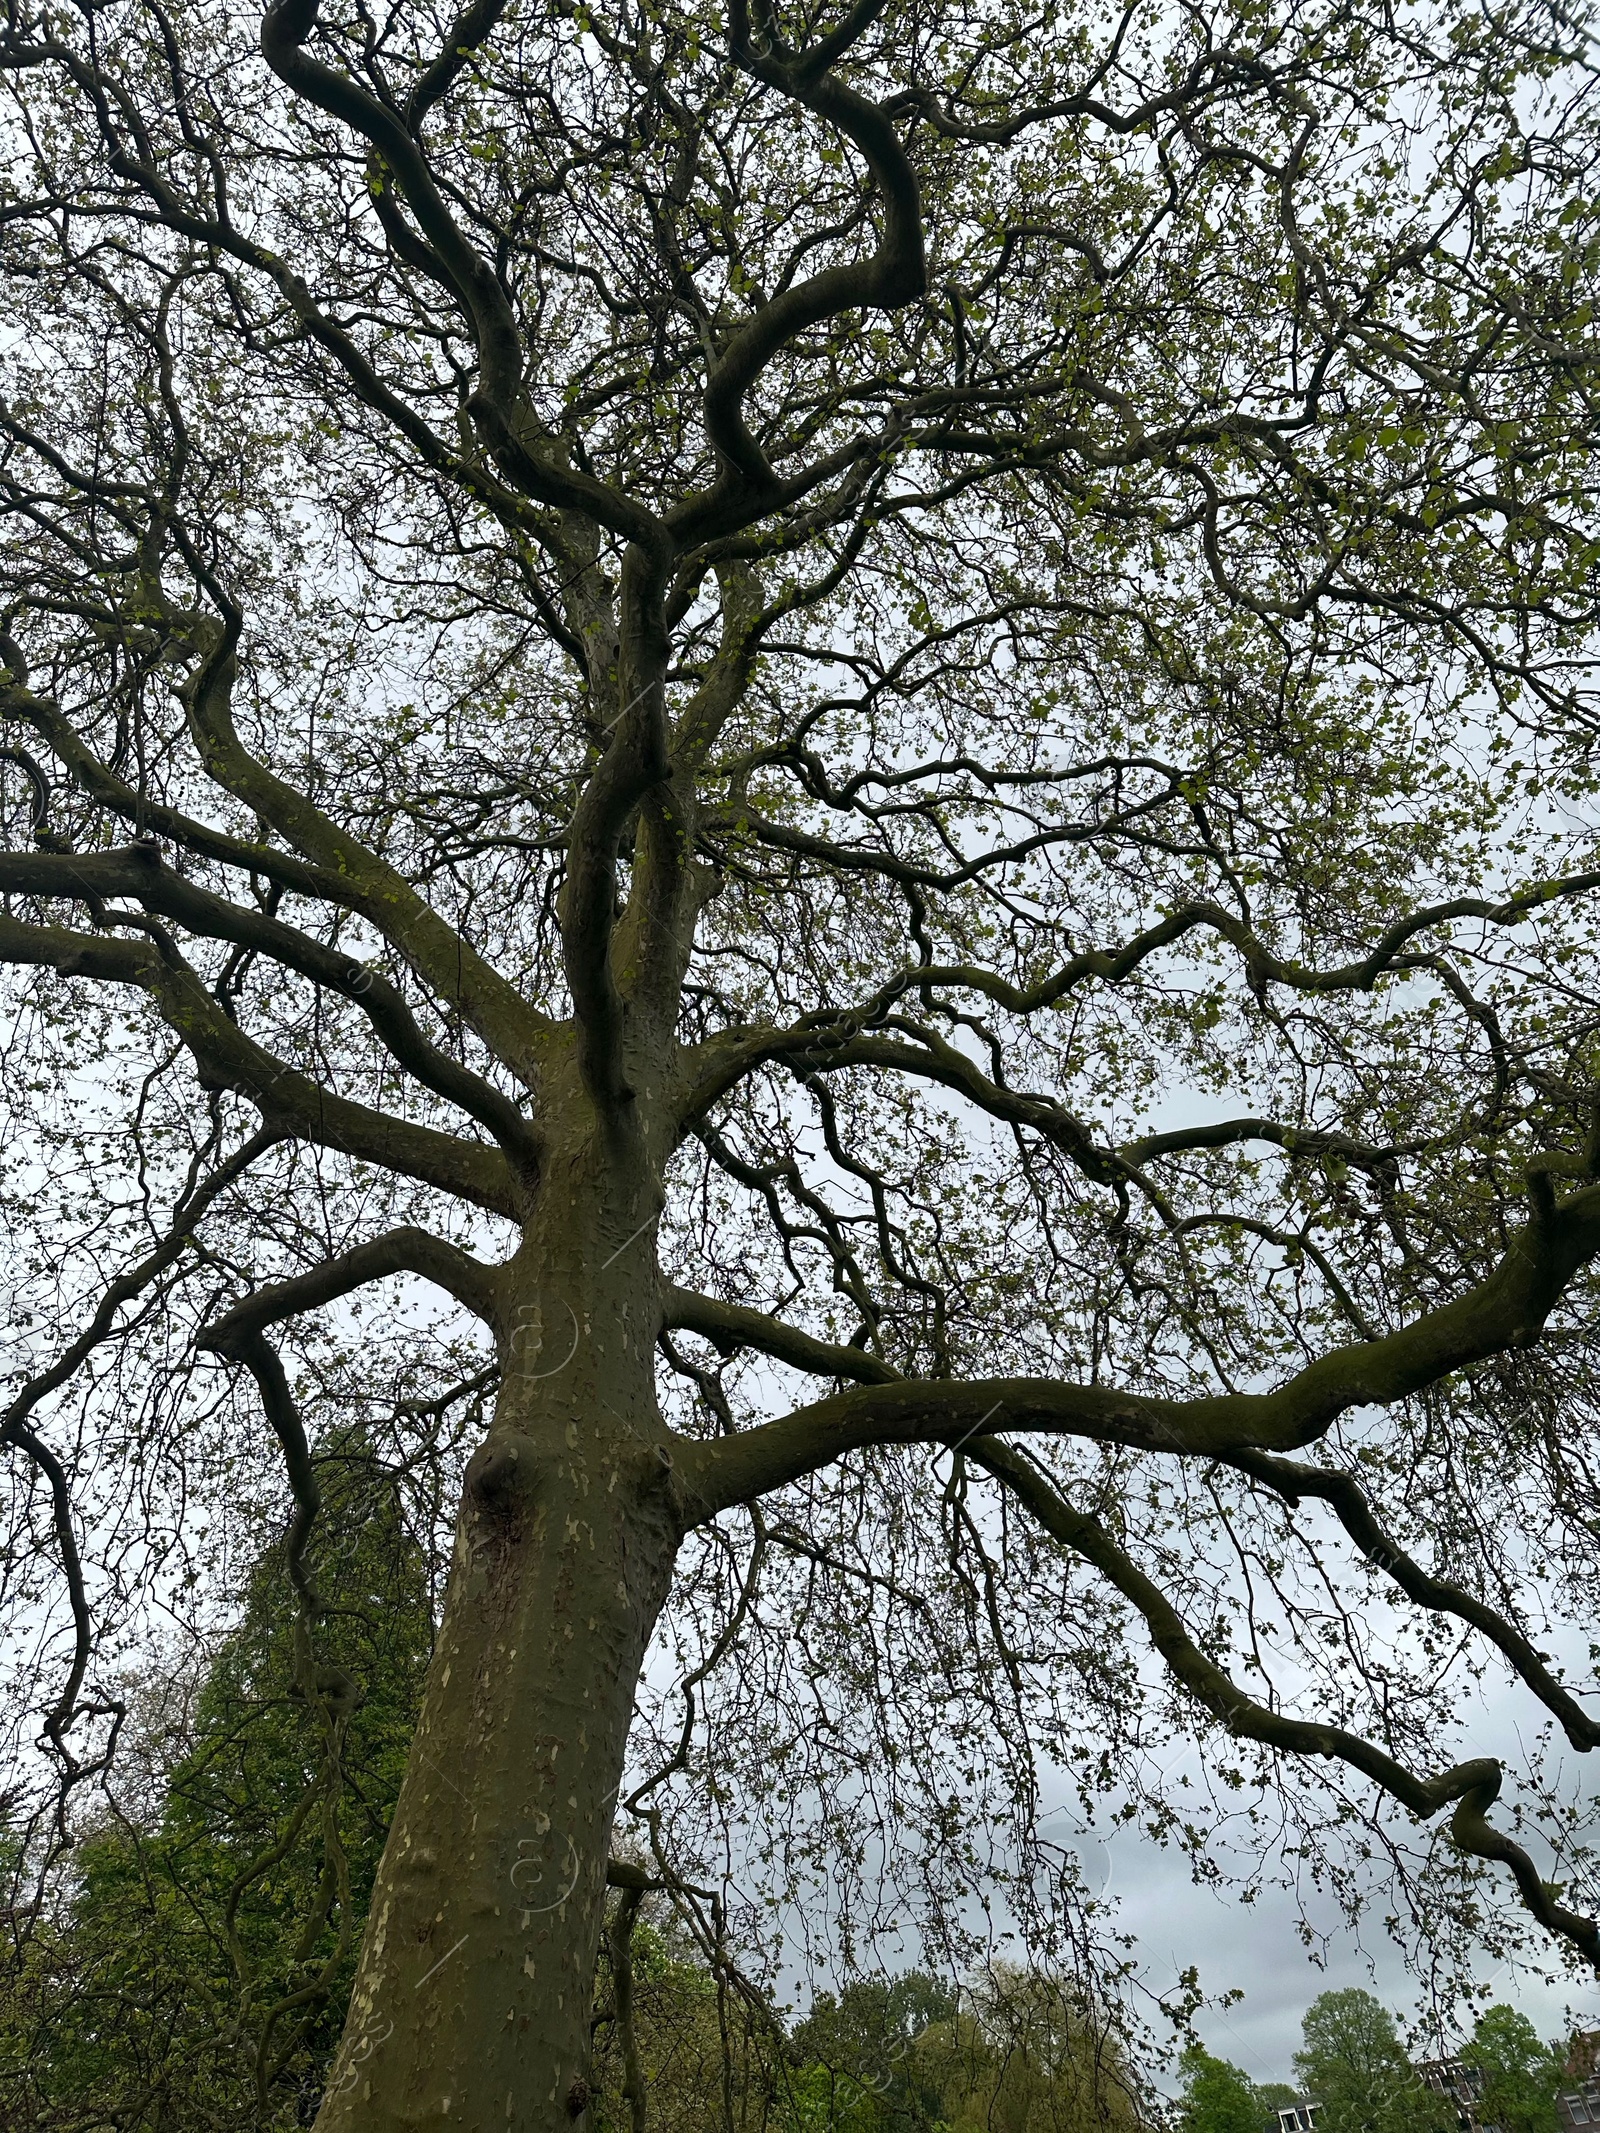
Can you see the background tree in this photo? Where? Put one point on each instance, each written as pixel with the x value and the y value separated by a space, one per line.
pixel 1024 2053
pixel 675 2048
pixel 197 1975
pixel 858 2055
pixel 1352 2061
pixel 1520 2074
pixel 875 726
pixel 1218 2097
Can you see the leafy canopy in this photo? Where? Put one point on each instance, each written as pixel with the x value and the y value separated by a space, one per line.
pixel 1219 2097
pixel 1520 2074
pixel 947 652
pixel 1352 2061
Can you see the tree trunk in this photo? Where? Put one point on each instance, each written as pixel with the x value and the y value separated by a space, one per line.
pixel 473 1996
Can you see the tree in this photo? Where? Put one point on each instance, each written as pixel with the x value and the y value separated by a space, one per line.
pixel 1218 2097
pixel 857 2068
pixel 675 2049
pixel 873 725
pixel 863 2044
pixel 1029 2053
pixel 202 1963
pixel 1352 2062
pixel 1520 2074
pixel 1014 2052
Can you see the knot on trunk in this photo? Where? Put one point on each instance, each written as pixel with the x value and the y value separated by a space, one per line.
pixel 578 2098
pixel 341 1692
pixel 503 1481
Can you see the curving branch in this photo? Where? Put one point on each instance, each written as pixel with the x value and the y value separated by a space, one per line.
pixel 1262 965
pixel 1211 74
pixel 59 1718
pixel 404 1250
pixel 507 1023
pixel 289 1101
pixel 730 1327
pixel 100 784
pixel 126 1286
pixel 138 871
pixel 894 275
pixel 249 1346
pixel 1471 1788
pixel 830 1042
pixel 15 1425
pixel 739 1052
pixel 1297 1142
pixel 499 405
pixel 1348 1501
pixel 1505 1310
pixel 460 41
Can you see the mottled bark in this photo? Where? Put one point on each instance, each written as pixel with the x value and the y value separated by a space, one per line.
pixel 472 2001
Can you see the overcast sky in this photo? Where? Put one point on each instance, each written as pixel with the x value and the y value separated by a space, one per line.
pixel 1258 1949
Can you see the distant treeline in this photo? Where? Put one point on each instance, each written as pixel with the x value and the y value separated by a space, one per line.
pixel 1354 2069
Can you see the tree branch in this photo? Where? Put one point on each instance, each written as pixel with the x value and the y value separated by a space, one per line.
pixel 499 406
pixel 736 1053
pixel 138 871
pixel 58 1719
pixel 621 1942
pixel 128 1285
pixel 93 778
pixel 1507 1309
pixel 508 1025
pixel 260 1358
pixel 403 1250
pixel 461 39
pixel 1262 964
pixel 1295 1141
pixel 1472 1787
pixel 731 1326
pixel 896 273
pixel 1343 1493
pixel 827 1043
pixel 286 1098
